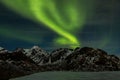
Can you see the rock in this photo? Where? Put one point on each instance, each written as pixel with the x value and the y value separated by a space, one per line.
pixel 38 55
pixel 9 70
pixel 23 62
pixel 89 59
pixel 3 50
pixel 15 64
pixel 59 55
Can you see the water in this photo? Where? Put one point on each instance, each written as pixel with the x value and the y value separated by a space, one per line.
pixel 72 76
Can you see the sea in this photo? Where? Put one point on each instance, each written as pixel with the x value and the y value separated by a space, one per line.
pixel 72 76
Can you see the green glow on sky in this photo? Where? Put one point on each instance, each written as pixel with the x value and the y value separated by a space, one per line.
pixel 17 34
pixel 65 17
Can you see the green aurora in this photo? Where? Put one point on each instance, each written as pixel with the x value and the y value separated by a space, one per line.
pixel 65 17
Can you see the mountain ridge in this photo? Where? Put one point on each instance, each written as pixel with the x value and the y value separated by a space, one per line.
pixel 21 62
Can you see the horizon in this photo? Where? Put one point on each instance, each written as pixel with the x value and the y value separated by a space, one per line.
pixel 101 30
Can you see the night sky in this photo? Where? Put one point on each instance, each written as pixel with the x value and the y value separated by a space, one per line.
pixel 101 29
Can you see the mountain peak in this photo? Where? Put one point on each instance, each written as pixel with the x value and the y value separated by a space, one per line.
pixel 35 47
pixel 1 48
pixel 26 61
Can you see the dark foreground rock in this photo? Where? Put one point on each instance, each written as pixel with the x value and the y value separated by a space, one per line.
pixel 15 64
pixel 23 62
pixel 89 59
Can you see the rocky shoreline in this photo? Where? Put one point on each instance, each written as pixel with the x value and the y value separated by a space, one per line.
pixel 23 62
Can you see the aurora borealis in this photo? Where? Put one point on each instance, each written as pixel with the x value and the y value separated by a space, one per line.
pixel 64 17
pixel 70 22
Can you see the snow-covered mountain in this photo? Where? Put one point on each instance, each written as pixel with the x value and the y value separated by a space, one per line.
pixel 37 54
pixel 2 50
pixel 22 61
pixel 60 54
